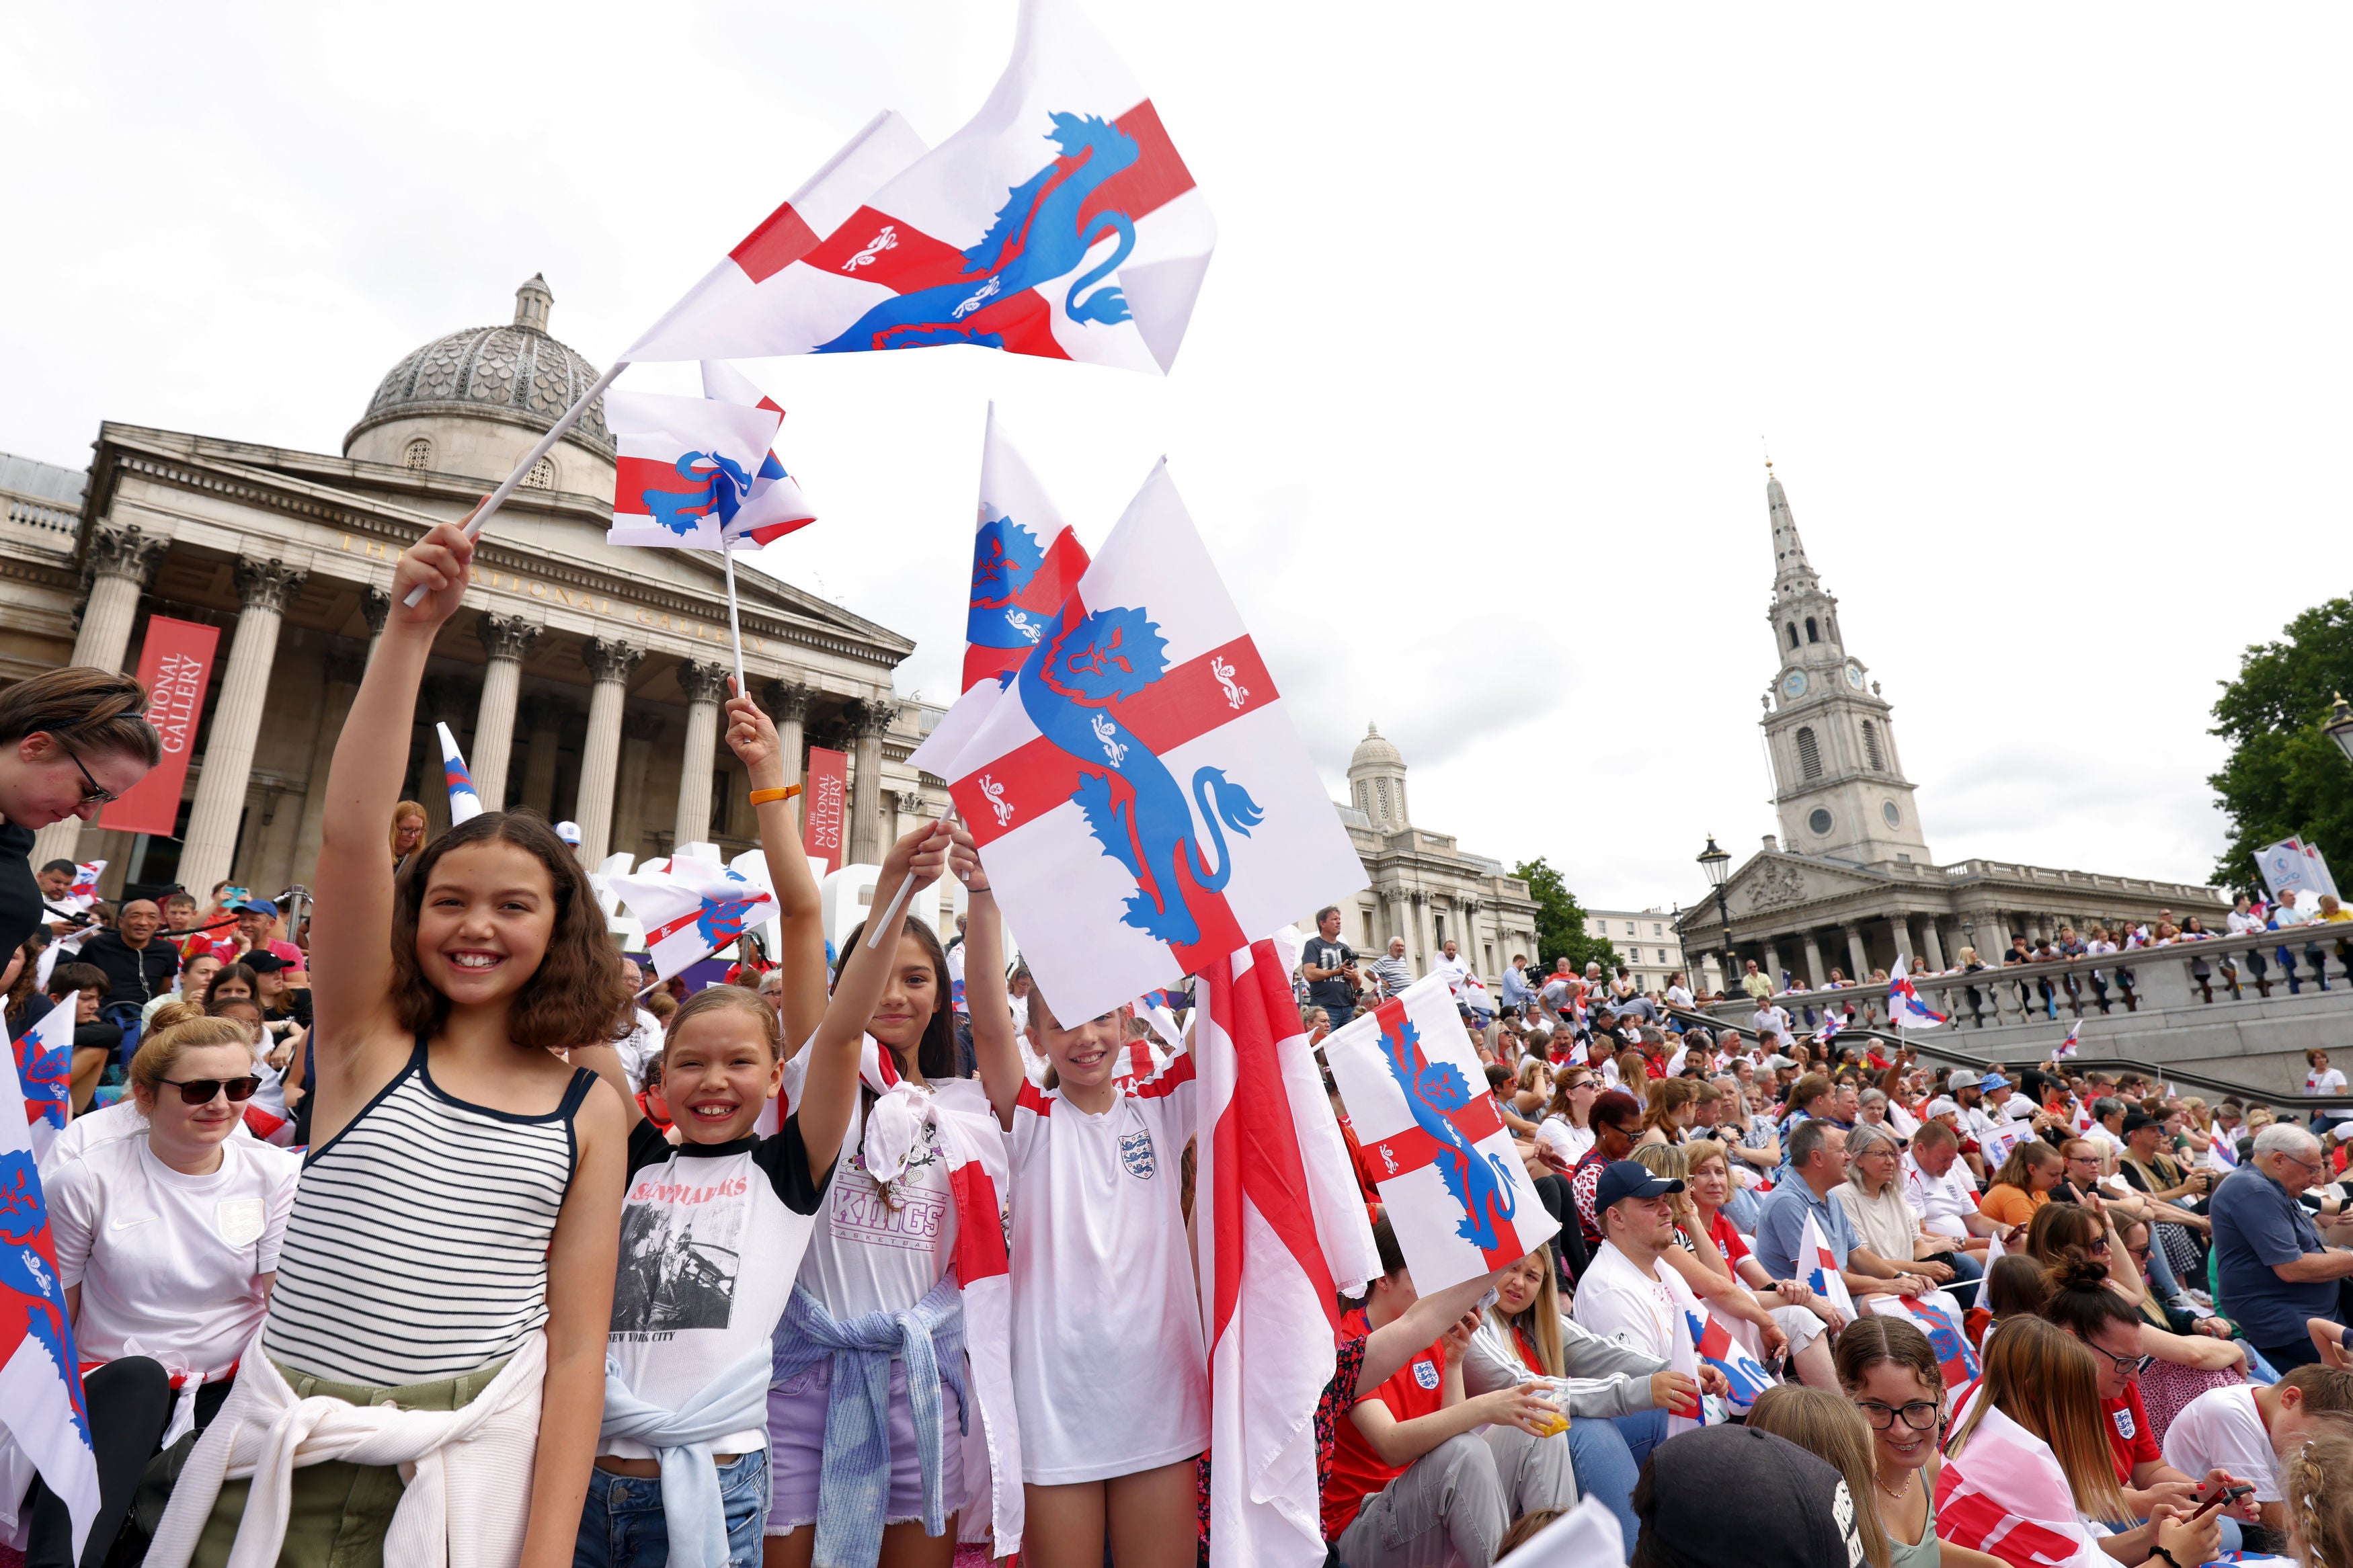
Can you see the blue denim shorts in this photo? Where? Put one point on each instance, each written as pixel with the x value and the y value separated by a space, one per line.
pixel 622 1524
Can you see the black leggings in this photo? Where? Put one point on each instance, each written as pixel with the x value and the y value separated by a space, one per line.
pixel 130 1405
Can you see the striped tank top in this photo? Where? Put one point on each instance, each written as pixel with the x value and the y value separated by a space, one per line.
pixel 417 1247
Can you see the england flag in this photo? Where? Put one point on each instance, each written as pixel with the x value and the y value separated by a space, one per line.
pixel 688 468
pixel 773 506
pixel 45 1069
pixel 1818 1266
pixel 2066 1047
pixel 1058 222
pixel 464 804
pixel 84 890
pixel 1138 795
pixel 692 909
pixel 1904 1004
pixel 1713 1343
pixel 1954 1356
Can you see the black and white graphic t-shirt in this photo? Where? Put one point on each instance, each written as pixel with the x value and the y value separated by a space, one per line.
pixel 712 1237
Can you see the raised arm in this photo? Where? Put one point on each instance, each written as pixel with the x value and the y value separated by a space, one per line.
pixel 800 914
pixel 351 932
pixel 830 1088
pixel 994 1051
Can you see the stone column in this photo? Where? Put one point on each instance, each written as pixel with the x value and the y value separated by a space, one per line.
pixel 376 604
pixel 869 719
pixel 789 705
pixel 343 673
pixel 638 733
pixel 1934 932
pixel 1901 926
pixel 705 685
pixel 507 639
pixel 1858 957
pixel 1820 976
pixel 543 721
pixel 120 561
pixel 609 663
pixel 1773 961
pixel 265 589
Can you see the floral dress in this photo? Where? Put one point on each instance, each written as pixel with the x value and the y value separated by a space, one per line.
pixel 1339 1395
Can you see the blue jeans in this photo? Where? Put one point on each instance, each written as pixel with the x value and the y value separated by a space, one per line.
pixel 1643 1432
pixel 622 1524
pixel 1606 1468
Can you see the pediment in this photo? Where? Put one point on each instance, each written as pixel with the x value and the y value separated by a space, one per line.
pixel 1772 881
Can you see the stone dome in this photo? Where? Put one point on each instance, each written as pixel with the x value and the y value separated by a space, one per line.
pixel 1376 752
pixel 513 374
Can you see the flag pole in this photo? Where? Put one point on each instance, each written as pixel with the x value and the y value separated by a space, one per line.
pixel 555 432
pixel 735 629
pixel 897 901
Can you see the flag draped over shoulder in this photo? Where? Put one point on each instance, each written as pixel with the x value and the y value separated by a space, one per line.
pixel 1434 1140
pixel 688 468
pixel 464 804
pixel 1138 794
pixel 1059 222
pixel 2004 1493
pixel 692 907
pixel 1281 1227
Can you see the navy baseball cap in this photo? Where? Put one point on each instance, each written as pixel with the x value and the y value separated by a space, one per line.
pixel 1623 1179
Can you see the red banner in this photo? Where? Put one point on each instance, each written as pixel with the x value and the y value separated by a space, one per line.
pixel 175 666
pixel 825 790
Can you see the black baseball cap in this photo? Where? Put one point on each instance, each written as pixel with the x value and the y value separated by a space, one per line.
pixel 261 961
pixel 1623 1179
pixel 2136 1119
pixel 1734 1497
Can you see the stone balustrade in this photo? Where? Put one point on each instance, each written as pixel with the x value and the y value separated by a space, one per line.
pixel 39 521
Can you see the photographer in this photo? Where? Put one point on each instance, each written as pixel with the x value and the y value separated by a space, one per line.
pixel 1329 967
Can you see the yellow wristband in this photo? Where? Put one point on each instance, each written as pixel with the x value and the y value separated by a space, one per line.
pixel 763 796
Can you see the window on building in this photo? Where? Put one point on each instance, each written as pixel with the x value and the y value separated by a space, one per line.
pixel 1657 929
pixel 1819 821
pixel 1368 930
pixel 1813 633
pixel 1631 930
pixel 1809 754
pixel 1871 746
pixel 542 476
pixel 1438 929
pixel 419 454
pixel 1793 634
pixel 1381 791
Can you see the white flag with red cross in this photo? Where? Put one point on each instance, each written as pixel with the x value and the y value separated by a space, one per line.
pixel 1139 795
pixel 1434 1140
pixel 689 467
pixel 1059 222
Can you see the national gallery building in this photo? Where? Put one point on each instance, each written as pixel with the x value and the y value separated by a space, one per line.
pixel 584 681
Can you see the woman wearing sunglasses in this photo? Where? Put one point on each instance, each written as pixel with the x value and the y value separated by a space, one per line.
pixel 167 1243
pixel 71 740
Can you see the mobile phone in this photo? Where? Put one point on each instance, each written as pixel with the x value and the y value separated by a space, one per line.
pixel 2227 1494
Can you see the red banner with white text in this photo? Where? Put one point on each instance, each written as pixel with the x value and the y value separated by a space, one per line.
pixel 825 791
pixel 175 666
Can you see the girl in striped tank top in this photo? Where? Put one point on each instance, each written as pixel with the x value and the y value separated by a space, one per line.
pixel 447 1271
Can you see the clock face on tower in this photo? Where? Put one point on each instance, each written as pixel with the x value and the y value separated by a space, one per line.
pixel 1793 684
pixel 1855 676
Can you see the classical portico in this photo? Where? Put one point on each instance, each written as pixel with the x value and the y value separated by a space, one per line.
pixel 584 682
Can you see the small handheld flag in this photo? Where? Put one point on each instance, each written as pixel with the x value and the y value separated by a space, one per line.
pixel 1904 1004
pixel 84 891
pixel 464 804
pixel 45 1067
pixel 1818 1267
pixel 1832 1024
pixel 1954 1356
pixel 775 505
pixel 695 907
pixel 2066 1047
pixel 1714 1345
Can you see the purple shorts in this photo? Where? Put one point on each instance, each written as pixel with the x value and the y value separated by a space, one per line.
pixel 797 1450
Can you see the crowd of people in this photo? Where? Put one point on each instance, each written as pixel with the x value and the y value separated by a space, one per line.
pixel 855 1257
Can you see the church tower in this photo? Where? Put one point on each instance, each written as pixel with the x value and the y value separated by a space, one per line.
pixel 1837 781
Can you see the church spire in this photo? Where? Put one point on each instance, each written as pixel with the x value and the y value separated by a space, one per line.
pixel 1791 571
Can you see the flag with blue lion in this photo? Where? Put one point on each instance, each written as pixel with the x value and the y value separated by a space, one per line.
pixel 691 908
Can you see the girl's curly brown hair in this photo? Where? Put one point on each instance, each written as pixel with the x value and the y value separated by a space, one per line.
pixel 576 996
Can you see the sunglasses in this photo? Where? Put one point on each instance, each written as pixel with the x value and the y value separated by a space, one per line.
pixel 200 1091
pixel 97 793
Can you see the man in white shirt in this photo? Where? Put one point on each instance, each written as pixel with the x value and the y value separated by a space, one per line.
pixel 1451 964
pixel 1937 1185
pixel 2246 1427
pixel 1628 1295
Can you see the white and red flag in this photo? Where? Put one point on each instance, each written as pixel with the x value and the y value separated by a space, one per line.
pixel 773 506
pixel 2002 1492
pixel 2066 1047
pixel 1058 222
pixel 1958 1362
pixel 1904 1004
pixel 1026 562
pixel 84 890
pixel 464 804
pixel 45 1070
pixel 691 908
pixel 1282 1229
pixel 1818 1266
pixel 1434 1140
pixel 687 467
pixel 1139 795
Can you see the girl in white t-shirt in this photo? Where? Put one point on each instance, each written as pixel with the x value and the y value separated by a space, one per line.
pixel 166 1245
pixel 2322 1079
pixel 1565 1134
pixel 1110 1371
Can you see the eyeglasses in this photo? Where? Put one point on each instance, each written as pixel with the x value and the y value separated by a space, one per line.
pixel 1920 1415
pixel 2127 1366
pixel 98 794
pixel 200 1091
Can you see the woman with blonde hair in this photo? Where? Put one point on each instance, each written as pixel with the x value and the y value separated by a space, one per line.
pixel 2023 1183
pixel 1532 1087
pixel 2317 1477
pixel 1832 1430
pixel 1889 1373
pixel 407 832
pixel 2030 1463
pixel 1805 1318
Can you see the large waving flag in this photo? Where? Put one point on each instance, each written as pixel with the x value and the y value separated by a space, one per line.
pixel 1713 1343
pixel 1434 1140
pixel 688 467
pixel 1818 1266
pixel 2066 1047
pixel 45 1069
pixel 775 505
pixel 464 804
pixel 1025 564
pixel 1058 222
pixel 1958 1362
pixel 1139 795
pixel 1904 1004
pixel 691 908
pixel 1281 1227
pixel 41 1405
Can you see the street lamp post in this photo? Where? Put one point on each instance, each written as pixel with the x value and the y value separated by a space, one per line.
pixel 1717 864
pixel 2339 726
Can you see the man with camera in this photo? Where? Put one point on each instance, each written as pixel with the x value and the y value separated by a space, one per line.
pixel 1329 967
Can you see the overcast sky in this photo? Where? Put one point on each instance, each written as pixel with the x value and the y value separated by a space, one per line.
pixel 2042 312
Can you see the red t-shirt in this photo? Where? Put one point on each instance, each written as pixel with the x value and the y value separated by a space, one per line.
pixel 1415 1390
pixel 1727 1240
pixel 2131 1441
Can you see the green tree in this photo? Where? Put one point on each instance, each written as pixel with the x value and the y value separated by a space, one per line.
pixel 2283 777
pixel 1560 920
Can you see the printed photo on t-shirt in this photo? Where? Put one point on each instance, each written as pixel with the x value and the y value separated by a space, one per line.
pixel 679 1261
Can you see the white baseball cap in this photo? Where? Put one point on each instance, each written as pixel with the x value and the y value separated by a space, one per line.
pixel 569 832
